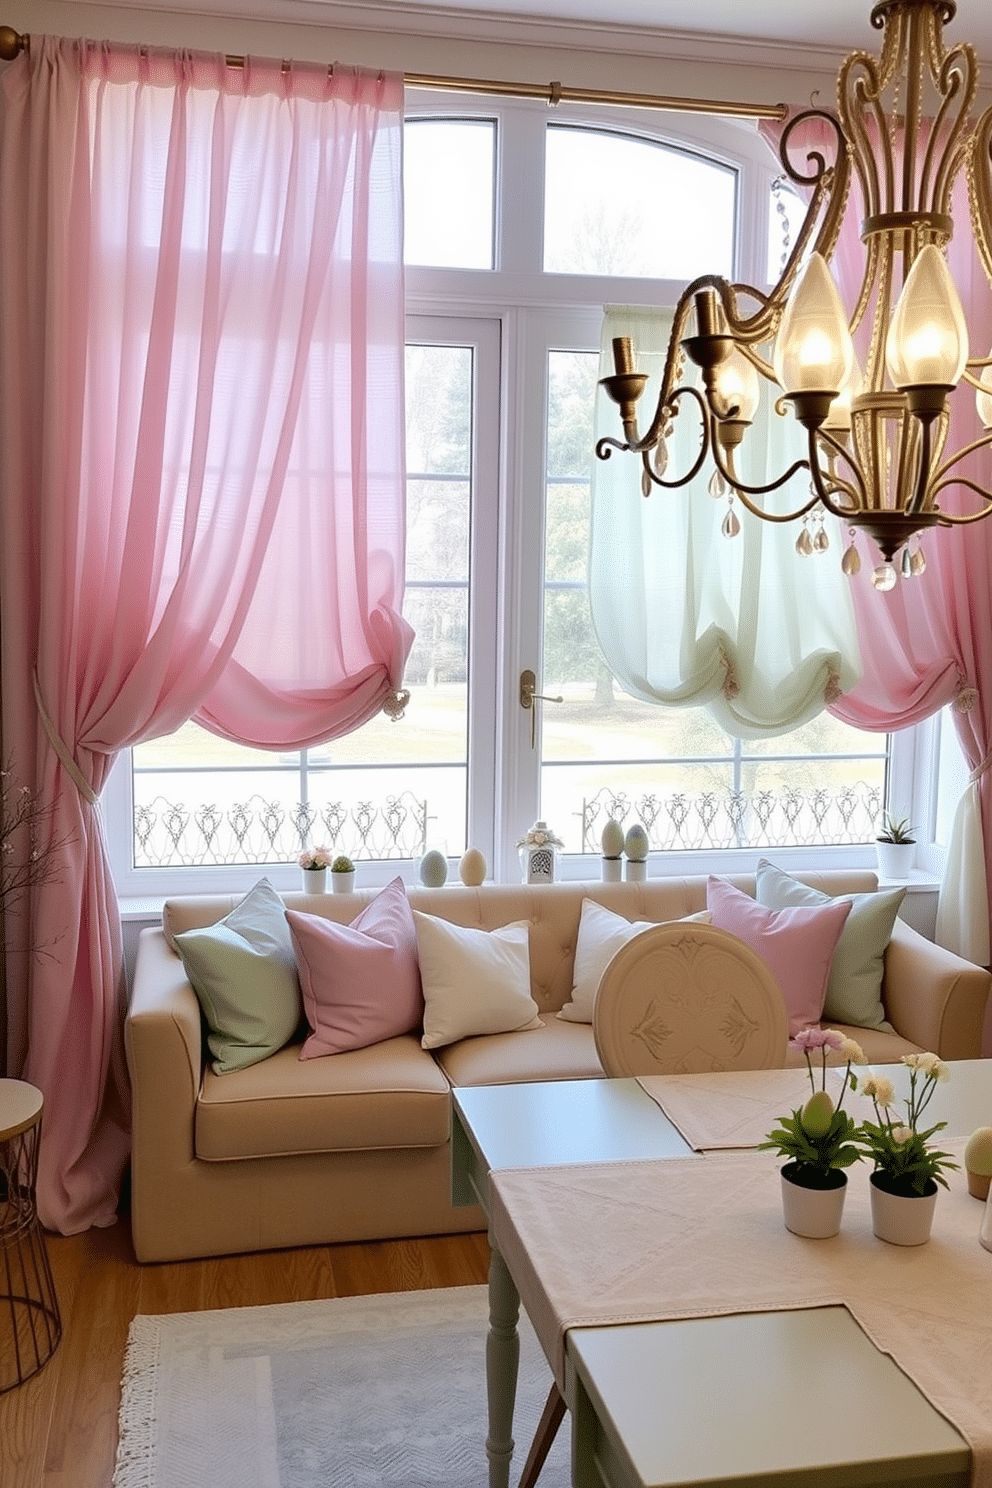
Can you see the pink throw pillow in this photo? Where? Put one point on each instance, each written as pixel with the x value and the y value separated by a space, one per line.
pixel 797 945
pixel 360 982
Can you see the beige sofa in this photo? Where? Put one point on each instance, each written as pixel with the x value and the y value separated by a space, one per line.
pixel 355 1146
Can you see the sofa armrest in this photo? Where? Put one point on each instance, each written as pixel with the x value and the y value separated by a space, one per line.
pixel 933 997
pixel 165 1054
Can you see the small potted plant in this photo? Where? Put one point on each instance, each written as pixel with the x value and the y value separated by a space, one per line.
pixel 313 862
pixel 819 1140
pixel 342 874
pixel 895 845
pixel 907 1169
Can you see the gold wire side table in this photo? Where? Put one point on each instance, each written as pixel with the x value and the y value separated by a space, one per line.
pixel 30 1322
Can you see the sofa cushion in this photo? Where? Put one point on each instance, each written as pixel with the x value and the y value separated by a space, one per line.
pixel 854 989
pixel 557 1051
pixel 475 981
pixel 388 1095
pixel 360 982
pixel 797 945
pixel 601 934
pixel 243 972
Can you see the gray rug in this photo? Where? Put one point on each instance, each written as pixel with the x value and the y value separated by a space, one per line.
pixel 357 1392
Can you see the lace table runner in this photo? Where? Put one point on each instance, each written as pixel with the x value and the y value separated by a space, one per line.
pixel 682 1238
pixel 738 1108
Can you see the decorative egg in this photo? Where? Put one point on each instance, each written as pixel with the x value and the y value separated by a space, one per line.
pixel 978 1161
pixel 612 839
pixel 472 868
pixel 636 844
pixel 433 869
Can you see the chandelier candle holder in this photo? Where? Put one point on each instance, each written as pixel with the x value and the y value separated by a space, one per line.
pixel 875 434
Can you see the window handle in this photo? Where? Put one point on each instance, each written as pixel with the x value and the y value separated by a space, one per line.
pixel 529 696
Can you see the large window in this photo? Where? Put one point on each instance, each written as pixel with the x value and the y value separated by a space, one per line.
pixel 518 230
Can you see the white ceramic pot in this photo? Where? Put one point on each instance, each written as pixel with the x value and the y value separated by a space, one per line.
pixel 814 1213
pixel 636 871
pixel 895 859
pixel 899 1219
pixel 314 880
pixel 985 1233
pixel 612 869
pixel 343 883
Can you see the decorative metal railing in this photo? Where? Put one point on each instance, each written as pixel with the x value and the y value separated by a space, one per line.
pixel 712 820
pixel 176 834
pixel 258 830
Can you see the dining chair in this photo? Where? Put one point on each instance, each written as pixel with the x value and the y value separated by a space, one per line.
pixel 678 999
pixel 688 999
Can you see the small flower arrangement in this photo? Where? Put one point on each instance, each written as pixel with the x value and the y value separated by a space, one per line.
pixel 342 864
pixel 904 1163
pixel 820 1138
pixel 540 836
pixel 314 857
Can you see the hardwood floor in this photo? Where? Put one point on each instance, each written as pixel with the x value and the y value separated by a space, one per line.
pixel 60 1429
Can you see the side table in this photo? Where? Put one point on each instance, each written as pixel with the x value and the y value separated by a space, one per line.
pixel 30 1322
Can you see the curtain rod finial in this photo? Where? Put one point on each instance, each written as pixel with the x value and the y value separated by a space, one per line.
pixel 11 42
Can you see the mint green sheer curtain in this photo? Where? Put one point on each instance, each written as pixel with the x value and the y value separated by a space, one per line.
pixel 759 635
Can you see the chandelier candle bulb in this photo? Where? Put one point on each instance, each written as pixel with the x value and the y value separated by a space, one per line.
pixel 927 344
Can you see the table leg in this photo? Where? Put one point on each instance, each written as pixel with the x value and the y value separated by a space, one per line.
pixel 502 1362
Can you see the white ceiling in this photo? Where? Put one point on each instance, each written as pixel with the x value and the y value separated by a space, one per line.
pixel 837 25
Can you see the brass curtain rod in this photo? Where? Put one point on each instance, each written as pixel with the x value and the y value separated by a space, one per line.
pixel 12 42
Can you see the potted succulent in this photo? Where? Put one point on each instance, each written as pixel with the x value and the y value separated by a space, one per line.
pixel 313 862
pixel 819 1140
pixel 342 874
pixel 907 1169
pixel 895 845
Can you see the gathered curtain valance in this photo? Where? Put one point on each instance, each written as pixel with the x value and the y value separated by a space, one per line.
pixel 746 627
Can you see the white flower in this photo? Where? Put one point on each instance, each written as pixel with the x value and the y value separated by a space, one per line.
pixel 901 1134
pixel 880 1087
pixel 852 1051
pixel 540 838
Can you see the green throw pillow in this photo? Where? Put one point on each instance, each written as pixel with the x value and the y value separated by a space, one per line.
pixel 243 970
pixel 854 988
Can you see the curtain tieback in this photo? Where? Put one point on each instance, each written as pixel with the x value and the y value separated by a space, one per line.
pixel 395 705
pixel 60 746
pixel 980 770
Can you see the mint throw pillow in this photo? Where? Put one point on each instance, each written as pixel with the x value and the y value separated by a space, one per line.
pixel 854 989
pixel 243 971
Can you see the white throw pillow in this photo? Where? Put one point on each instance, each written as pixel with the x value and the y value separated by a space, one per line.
pixel 474 981
pixel 601 934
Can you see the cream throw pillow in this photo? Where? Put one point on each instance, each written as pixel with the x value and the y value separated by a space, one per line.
pixel 474 981
pixel 601 934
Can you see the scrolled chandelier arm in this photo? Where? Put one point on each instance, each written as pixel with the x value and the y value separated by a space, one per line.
pixel 903 129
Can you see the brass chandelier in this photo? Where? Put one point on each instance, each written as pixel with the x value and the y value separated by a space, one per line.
pixel 876 433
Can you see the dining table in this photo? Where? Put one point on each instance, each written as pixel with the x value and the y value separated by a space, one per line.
pixel 692 1337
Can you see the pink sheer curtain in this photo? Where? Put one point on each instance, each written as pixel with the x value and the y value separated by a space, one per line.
pixel 202 489
pixel 928 642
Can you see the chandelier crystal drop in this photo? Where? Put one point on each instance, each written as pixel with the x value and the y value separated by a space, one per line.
pixel 876 429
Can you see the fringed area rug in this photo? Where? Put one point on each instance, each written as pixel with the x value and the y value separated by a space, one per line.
pixel 385 1391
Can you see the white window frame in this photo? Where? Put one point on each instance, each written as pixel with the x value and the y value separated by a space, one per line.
pixel 519 311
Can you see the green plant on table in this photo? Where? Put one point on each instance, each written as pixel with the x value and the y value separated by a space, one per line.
pixel 904 1162
pixel 819 1137
pixel 342 864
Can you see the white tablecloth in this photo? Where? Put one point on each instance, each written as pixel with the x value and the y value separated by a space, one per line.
pixel 690 1238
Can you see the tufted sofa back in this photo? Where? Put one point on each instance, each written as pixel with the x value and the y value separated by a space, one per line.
pixel 551 910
